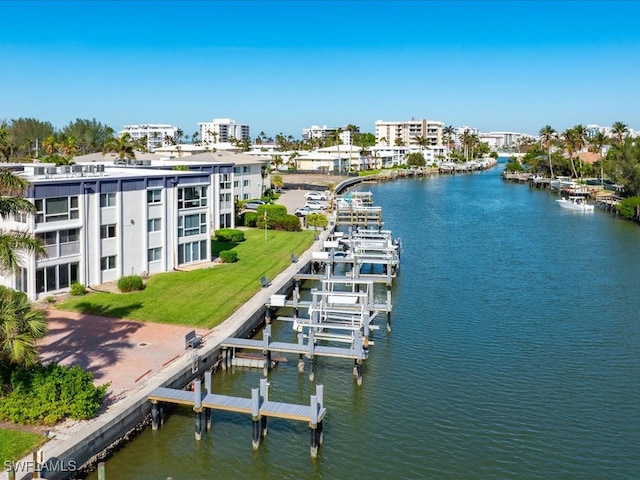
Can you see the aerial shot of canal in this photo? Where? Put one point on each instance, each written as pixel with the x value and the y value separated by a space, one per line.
pixel 514 354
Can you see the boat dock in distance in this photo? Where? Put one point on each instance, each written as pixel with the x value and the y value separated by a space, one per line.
pixel 258 406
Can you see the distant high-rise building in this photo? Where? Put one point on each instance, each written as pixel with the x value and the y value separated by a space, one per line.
pixel 222 130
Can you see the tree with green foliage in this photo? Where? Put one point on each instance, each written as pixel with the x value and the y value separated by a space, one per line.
pixel 416 159
pixel 123 146
pixel 21 328
pixel 14 242
pixel 25 134
pixel 624 161
pixel 570 143
pixel 547 136
pixel 597 143
pixel 620 130
pixel 90 135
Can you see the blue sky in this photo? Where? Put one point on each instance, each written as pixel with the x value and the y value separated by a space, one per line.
pixel 281 66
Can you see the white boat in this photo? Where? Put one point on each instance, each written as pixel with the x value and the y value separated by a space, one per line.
pixel 575 203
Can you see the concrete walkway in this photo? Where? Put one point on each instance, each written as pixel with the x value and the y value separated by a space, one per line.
pixel 135 357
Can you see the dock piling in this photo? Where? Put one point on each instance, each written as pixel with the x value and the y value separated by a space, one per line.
pixel 154 416
pixel 208 421
pixel 255 417
pixel 197 408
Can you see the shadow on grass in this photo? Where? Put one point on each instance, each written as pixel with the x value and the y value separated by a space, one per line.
pixel 122 311
pixel 217 247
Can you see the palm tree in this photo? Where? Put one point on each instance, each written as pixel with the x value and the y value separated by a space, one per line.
pixel 547 135
pixel 422 142
pixel 50 145
pixel 598 141
pixel 123 146
pixel 448 137
pixel 179 134
pixel 21 327
pixel 13 243
pixel 195 138
pixel 570 140
pixel 619 129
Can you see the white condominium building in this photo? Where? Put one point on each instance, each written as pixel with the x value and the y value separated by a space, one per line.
pixel 157 135
pixel 222 130
pixel 404 133
pixel 325 133
pixel 99 224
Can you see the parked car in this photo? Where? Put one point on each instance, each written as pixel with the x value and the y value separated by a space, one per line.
pixel 315 196
pixel 253 204
pixel 303 211
pixel 315 205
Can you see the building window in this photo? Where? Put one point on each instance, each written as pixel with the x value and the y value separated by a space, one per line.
pixel 246 169
pixel 192 224
pixel 192 197
pixel 20 217
pixel 192 252
pixel 61 243
pixel 108 263
pixel 236 183
pixel 154 225
pixel 56 209
pixel 108 231
pixel 225 181
pixel 154 254
pixel 21 280
pixel 154 196
pixel 107 200
pixel 56 277
pixel 245 183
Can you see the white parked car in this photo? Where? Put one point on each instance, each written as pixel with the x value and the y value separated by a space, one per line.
pixel 315 205
pixel 315 196
pixel 303 211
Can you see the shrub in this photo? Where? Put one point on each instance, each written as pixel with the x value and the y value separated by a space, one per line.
pixel 77 289
pixel 51 299
pixel 229 235
pixel 228 256
pixel 317 220
pixel 627 207
pixel 130 283
pixel 50 394
pixel 250 219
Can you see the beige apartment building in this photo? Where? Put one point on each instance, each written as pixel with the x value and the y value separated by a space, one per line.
pixel 404 133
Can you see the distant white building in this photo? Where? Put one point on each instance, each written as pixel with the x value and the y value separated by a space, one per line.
pixel 403 133
pixel 157 135
pixel 325 133
pixel 222 130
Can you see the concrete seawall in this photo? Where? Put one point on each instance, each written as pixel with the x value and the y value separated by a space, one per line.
pixel 95 439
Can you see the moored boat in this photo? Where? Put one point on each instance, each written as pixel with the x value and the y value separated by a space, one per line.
pixel 575 203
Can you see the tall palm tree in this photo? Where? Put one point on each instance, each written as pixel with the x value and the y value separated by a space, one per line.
pixel 421 141
pixel 619 129
pixel 14 242
pixel 598 141
pixel 569 138
pixel 179 134
pixel 123 146
pixel 547 136
pixel 21 328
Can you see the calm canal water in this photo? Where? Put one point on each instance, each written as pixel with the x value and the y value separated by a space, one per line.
pixel 515 354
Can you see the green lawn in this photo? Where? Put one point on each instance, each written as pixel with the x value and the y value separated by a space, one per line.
pixel 203 297
pixel 15 444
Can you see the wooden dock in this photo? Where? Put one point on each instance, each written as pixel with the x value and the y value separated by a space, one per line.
pixel 258 406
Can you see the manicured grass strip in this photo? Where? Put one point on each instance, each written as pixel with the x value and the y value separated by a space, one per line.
pixel 204 297
pixel 15 444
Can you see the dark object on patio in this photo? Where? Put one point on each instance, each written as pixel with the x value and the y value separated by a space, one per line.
pixel 294 259
pixel 192 340
pixel 265 283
